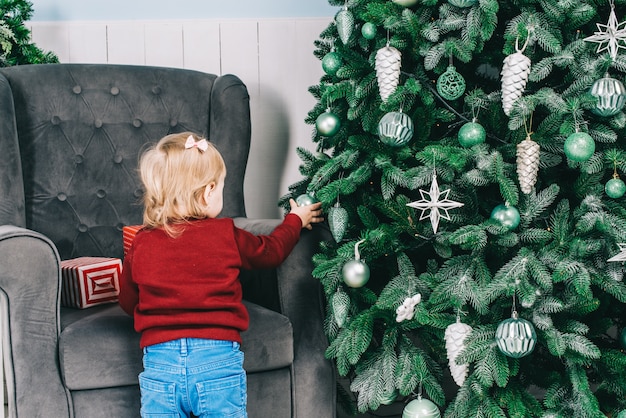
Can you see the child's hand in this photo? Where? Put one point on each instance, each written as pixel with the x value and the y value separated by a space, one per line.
pixel 309 214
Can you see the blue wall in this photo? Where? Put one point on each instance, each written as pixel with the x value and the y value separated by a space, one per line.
pixel 54 10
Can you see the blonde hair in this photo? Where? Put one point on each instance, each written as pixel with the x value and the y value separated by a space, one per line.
pixel 175 178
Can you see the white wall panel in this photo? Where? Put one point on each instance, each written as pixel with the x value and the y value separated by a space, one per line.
pixel 273 57
pixel 125 42
pixel 87 43
pixel 53 37
pixel 201 46
pixel 164 44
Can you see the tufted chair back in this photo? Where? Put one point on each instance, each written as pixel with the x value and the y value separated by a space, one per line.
pixel 70 149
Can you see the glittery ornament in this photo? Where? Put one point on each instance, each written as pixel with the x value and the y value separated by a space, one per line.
pixel 516 337
pixel 388 62
pixel 455 336
pixel 395 129
pixel 579 146
pixel 345 24
pixel 331 63
pixel 615 188
pixel 338 221
pixel 451 84
pixel 527 164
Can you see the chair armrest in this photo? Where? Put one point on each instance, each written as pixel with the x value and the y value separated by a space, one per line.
pixel 301 300
pixel 30 278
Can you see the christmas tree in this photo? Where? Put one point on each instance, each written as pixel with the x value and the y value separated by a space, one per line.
pixel 16 47
pixel 468 154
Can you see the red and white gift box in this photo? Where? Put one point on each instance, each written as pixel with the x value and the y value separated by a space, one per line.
pixel 128 235
pixel 90 281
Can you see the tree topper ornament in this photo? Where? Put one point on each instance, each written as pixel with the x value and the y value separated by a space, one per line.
pixel 435 204
pixel 610 36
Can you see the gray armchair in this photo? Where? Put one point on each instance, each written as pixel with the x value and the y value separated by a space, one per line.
pixel 70 136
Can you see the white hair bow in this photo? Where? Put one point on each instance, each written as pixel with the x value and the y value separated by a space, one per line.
pixel 201 144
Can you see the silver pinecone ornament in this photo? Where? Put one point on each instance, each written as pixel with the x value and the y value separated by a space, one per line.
pixel 338 221
pixel 455 336
pixel 514 73
pixel 527 164
pixel 388 61
pixel 345 24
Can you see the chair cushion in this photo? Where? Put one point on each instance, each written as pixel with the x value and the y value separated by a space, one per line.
pixel 99 348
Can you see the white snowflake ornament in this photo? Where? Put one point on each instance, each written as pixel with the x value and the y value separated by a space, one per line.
pixel 406 311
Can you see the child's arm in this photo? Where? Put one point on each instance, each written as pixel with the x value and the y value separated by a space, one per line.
pixel 267 251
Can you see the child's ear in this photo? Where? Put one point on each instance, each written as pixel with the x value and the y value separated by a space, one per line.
pixel 208 190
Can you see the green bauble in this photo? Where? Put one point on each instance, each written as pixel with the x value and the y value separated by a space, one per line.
pixel 506 215
pixel 579 146
pixel 306 199
pixel 368 30
pixel 615 188
pixel 355 273
pixel 621 414
pixel 327 124
pixel 472 133
pixel 516 337
pixel 331 63
pixel 395 129
pixel 450 84
pixel 405 3
pixel 622 339
pixel 463 3
pixel 421 408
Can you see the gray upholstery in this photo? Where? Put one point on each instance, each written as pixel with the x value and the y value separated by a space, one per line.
pixel 70 137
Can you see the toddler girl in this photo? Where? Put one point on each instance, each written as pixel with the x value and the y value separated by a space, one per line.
pixel 180 281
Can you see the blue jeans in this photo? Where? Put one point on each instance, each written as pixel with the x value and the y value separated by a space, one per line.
pixel 191 375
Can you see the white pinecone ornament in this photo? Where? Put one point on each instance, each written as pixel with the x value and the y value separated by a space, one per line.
pixel 455 336
pixel 527 164
pixel 514 73
pixel 388 61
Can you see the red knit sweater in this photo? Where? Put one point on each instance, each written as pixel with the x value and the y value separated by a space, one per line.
pixel 188 287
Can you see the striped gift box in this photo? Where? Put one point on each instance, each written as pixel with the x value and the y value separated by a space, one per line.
pixel 128 235
pixel 90 281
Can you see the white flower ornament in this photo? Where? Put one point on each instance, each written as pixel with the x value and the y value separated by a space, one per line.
pixel 407 309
